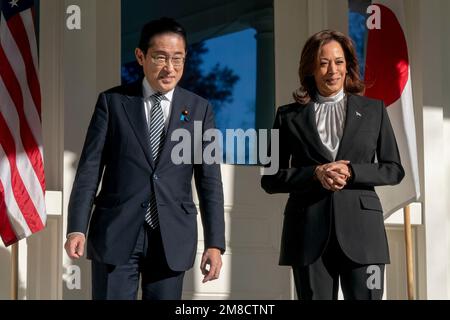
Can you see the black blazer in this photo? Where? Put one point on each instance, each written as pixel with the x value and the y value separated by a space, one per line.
pixel 117 146
pixel 357 209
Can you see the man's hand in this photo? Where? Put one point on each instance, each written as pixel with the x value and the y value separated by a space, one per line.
pixel 212 258
pixel 75 245
pixel 333 176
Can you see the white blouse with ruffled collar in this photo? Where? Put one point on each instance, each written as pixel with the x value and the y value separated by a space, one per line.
pixel 330 120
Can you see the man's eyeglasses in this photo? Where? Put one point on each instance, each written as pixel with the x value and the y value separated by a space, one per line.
pixel 162 60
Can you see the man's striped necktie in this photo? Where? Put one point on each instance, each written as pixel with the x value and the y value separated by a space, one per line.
pixel 156 143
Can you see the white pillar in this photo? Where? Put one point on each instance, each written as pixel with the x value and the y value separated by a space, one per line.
pixel 436 163
pixel 91 64
pixel 327 14
pixel 291 32
pixel 265 74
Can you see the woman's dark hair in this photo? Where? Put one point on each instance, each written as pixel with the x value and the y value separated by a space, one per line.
pixel 309 61
pixel 157 27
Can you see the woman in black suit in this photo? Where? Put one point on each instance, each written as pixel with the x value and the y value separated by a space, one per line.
pixel 335 147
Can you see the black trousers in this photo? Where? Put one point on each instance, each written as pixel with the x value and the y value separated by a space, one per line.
pixel 147 262
pixel 320 280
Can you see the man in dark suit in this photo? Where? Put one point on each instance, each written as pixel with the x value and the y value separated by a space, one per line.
pixel 144 221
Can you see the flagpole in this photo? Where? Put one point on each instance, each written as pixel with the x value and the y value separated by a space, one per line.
pixel 409 256
pixel 14 270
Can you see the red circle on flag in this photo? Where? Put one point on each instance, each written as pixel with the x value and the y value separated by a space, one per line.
pixel 386 72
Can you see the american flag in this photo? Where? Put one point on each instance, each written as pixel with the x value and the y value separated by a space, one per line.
pixel 22 181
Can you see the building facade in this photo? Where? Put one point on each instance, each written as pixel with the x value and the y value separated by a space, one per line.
pixel 77 64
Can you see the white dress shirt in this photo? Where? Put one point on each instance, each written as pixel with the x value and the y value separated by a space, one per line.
pixel 166 102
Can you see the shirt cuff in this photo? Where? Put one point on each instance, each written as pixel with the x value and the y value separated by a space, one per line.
pixel 74 233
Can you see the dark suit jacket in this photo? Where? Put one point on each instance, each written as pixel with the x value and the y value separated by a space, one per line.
pixel 357 209
pixel 117 146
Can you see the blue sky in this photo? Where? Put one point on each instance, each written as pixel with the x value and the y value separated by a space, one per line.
pixel 237 51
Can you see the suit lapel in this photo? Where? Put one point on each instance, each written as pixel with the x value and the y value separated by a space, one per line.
pixel 134 109
pixel 306 129
pixel 353 120
pixel 174 123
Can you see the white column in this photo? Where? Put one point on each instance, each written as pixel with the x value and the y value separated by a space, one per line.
pixel 91 65
pixel 434 55
pixel 436 217
pixel 265 74
pixel 446 113
pixel 291 32
pixel 327 14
